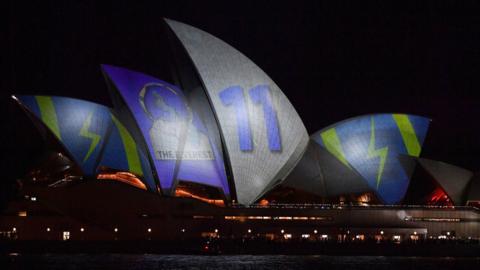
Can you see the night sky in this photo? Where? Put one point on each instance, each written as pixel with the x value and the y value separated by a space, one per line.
pixel 332 60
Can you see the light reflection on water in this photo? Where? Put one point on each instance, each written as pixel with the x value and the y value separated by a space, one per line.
pixel 266 262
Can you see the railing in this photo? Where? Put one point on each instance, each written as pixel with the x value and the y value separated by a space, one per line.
pixel 348 206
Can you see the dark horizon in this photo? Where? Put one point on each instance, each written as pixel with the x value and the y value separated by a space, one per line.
pixel 332 61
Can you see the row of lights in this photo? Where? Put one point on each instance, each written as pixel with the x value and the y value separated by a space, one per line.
pixel 149 230
pixel 14 229
pixel 216 231
pixel 382 232
pixel 115 229
pixel 81 229
pixel 316 232
pixel 250 231
pixel 182 230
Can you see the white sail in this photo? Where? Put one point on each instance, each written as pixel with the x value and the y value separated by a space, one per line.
pixel 263 134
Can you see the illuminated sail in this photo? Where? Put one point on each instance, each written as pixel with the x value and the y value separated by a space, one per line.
pixel 175 135
pixel 371 145
pixel 263 134
pixel 91 134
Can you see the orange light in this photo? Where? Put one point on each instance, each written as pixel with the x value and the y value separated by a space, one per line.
pixel 124 177
pixel 263 202
pixel 364 198
pixel 179 192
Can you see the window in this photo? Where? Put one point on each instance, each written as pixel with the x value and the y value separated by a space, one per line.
pixel 66 235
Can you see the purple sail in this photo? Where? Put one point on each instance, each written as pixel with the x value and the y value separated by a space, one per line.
pixel 177 139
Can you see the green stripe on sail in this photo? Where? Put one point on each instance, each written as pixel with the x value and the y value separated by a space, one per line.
pixel 130 147
pixel 333 145
pixel 48 114
pixel 408 134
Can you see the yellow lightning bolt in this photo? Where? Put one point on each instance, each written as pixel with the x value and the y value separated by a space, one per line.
pixel 87 134
pixel 372 152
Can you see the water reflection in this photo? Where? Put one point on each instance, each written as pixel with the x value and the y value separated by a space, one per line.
pixel 273 262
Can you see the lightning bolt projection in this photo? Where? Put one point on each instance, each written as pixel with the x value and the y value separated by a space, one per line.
pixel 84 132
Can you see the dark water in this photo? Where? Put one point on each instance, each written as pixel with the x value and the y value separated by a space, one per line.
pixel 273 262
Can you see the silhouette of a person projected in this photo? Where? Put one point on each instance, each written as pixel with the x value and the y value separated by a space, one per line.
pixel 173 134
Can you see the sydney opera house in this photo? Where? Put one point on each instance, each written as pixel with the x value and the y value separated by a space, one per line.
pixel 221 152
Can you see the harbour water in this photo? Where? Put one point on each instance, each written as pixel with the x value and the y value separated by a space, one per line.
pixel 265 262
